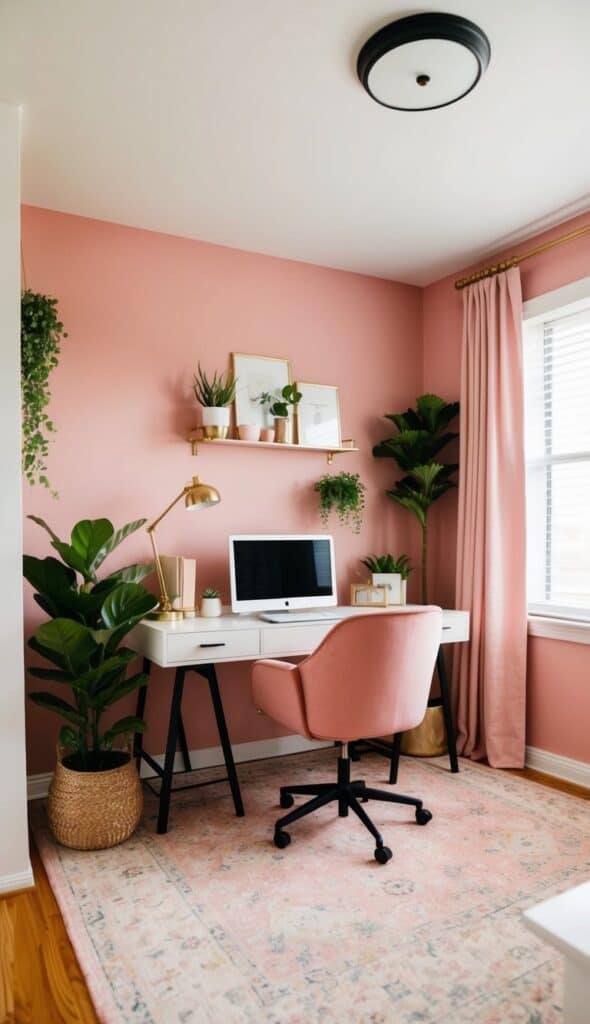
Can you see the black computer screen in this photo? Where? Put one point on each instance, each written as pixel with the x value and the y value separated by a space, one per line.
pixel 270 569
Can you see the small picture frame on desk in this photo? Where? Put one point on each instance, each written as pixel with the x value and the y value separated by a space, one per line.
pixel 369 595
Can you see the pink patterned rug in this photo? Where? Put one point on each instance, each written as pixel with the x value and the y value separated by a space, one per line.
pixel 211 923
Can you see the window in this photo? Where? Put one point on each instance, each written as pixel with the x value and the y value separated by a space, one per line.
pixel 557 442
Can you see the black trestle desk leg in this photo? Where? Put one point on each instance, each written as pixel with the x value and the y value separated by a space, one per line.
pixel 395 752
pixel 211 676
pixel 139 713
pixel 186 757
pixel 446 706
pixel 173 729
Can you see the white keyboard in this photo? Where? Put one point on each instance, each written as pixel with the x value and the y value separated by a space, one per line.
pixel 314 615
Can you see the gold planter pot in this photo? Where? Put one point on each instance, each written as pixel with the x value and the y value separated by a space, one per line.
pixel 94 810
pixel 283 430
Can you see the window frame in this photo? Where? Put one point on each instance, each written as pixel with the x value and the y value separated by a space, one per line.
pixel 572 298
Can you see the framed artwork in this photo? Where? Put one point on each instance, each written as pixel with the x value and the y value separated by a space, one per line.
pixel 255 376
pixel 368 595
pixel 318 416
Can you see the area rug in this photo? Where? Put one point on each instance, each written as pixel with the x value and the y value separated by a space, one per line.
pixel 211 923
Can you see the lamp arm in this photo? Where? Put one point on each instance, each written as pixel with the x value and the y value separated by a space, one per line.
pixel 165 603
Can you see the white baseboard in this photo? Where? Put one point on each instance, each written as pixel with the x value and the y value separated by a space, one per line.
pixel 21 880
pixel 209 757
pixel 561 767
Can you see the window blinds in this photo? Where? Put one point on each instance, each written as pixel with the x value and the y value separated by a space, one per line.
pixel 557 439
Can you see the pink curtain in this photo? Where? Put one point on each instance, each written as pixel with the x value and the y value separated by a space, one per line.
pixel 490 671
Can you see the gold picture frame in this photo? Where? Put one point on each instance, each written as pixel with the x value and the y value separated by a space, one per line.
pixel 369 595
pixel 318 415
pixel 252 380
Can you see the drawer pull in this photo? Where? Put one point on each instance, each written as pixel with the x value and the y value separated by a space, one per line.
pixel 220 644
pixel 447 627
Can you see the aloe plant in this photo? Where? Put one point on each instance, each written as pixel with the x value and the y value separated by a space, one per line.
pixel 89 618
pixel 216 392
pixel 422 434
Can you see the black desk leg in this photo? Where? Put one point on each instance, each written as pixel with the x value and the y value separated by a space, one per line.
pixel 186 757
pixel 211 677
pixel 395 752
pixel 173 729
pixel 446 706
pixel 139 713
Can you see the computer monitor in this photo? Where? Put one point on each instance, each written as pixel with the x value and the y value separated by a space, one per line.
pixel 286 572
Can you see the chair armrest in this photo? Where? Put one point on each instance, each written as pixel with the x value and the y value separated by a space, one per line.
pixel 277 692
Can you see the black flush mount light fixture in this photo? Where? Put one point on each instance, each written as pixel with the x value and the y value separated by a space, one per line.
pixel 423 62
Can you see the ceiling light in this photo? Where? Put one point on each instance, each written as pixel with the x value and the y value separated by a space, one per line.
pixel 424 61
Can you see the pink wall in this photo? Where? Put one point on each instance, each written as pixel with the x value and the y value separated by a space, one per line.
pixel 140 309
pixel 558 692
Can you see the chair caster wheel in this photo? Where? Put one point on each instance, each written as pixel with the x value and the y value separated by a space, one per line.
pixel 382 854
pixel 286 800
pixel 281 839
pixel 423 816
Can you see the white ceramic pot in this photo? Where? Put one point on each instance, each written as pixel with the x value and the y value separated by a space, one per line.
pixel 404 594
pixel 210 607
pixel 215 421
pixel 391 580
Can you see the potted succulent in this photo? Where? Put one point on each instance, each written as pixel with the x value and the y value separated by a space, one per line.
pixel 392 572
pixel 422 434
pixel 343 493
pixel 210 603
pixel 95 797
pixel 215 396
pixel 288 399
pixel 266 399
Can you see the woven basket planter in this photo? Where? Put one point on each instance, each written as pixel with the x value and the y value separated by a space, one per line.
pixel 94 810
pixel 429 739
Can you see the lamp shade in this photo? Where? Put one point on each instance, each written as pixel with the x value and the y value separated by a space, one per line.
pixel 200 495
pixel 424 61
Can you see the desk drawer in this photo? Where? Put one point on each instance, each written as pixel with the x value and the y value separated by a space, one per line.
pixel 455 627
pixel 191 648
pixel 280 641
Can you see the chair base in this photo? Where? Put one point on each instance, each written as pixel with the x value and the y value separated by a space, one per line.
pixel 349 796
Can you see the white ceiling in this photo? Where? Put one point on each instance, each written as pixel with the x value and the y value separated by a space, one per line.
pixel 242 122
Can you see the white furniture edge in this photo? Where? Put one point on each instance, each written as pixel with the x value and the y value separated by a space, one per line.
pixel 21 880
pixel 563 922
pixel 208 757
pixel 559 629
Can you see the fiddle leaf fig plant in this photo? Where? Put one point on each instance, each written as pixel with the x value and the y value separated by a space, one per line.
pixel 89 619
pixel 422 434
pixel 40 335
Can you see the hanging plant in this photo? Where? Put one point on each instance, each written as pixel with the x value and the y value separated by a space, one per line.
pixel 41 333
pixel 344 494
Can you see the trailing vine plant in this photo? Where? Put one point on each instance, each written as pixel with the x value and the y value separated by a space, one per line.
pixel 41 334
pixel 343 493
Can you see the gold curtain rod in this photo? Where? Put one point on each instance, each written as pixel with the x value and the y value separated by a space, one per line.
pixel 513 261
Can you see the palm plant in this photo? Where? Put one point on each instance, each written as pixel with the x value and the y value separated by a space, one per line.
pixel 422 434
pixel 82 640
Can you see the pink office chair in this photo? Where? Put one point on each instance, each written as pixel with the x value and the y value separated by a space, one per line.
pixel 370 676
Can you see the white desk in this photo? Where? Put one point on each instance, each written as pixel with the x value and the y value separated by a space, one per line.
pixel 200 644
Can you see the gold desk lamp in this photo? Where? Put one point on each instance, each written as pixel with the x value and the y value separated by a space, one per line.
pixel 196 496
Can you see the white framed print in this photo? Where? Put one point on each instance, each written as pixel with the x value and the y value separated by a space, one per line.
pixel 318 416
pixel 257 376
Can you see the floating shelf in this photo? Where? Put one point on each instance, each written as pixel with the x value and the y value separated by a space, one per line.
pixel 348 446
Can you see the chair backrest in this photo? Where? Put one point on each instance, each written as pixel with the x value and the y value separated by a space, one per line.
pixel 371 675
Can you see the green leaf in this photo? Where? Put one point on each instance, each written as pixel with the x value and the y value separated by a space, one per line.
pixel 89 537
pixel 70 641
pixel 48 575
pixel 61 707
pixel 69 738
pixel 53 675
pixel 129 602
pixel 41 522
pixel 119 536
pixel 129 574
pixel 124 725
pixel 72 558
pixel 104 698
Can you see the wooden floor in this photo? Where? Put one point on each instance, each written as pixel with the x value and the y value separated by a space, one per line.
pixel 40 979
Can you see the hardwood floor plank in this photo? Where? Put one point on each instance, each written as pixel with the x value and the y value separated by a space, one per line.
pixel 6 963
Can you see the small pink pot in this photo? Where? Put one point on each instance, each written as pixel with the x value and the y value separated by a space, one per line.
pixel 267 434
pixel 248 432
